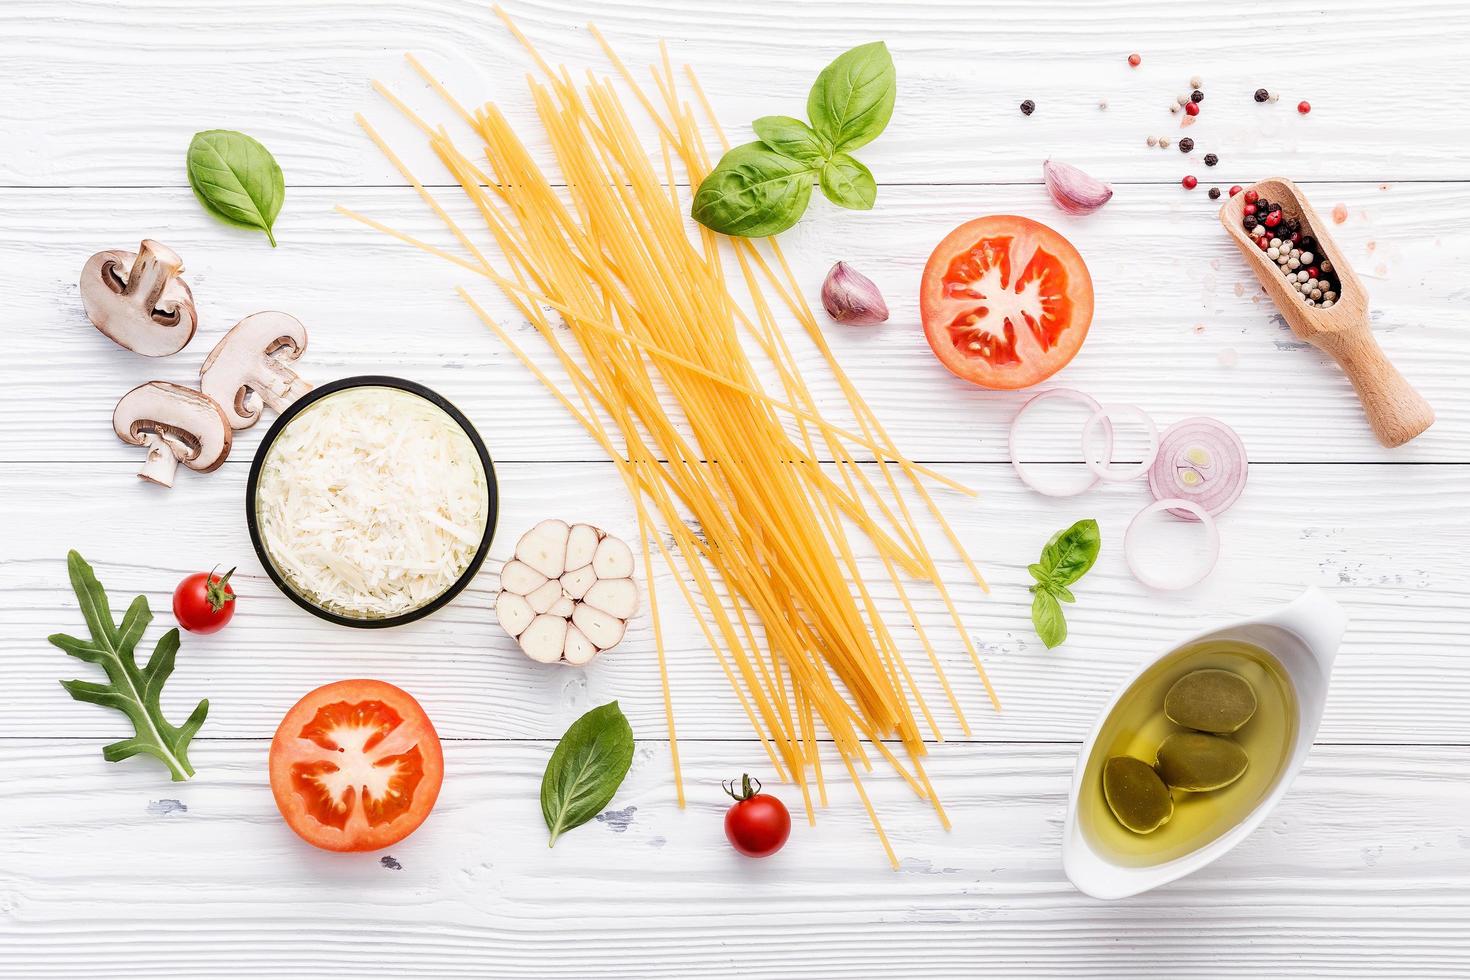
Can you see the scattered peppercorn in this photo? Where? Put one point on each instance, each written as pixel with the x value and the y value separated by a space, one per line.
pixel 1262 95
pixel 1135 60
pixel 1304 107
pixel 1195 82
pixel 1186 145
pixel 1153 141
pixel 1192 109
pixel 1214 193
pixel 1196 96
pixel 1028 107
pixel 1234 190
pixel 1211 159
pixel 1190 183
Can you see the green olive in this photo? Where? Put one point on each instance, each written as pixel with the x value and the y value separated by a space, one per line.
pixel 1210 700
pixel 1136 794
pixel 1197 763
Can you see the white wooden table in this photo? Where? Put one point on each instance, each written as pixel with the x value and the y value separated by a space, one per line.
pixel 110 870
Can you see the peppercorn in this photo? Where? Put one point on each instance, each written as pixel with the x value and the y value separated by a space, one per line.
pixel 1211 159
pixel 1192 109
pixel 1186 145
pixel 1262 95
pixel 1214 193
pixel 1234 189
pixel 1135 60
pixel 1273 219
pixel 1028 107
pixel 1304 107
pixel 1251 197
pixel 1195 82
pixel 1196 96
pixel 1308 243
pixel 1190 183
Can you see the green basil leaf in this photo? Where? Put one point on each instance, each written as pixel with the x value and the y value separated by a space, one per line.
pixel 1042 576
pixel 586 769
pixel 1063 593
pixel 792 138
pixel 849 184
pixel 1046 615
pixel 852 99
pixel 753 192
pixel 236 179
pixel 1069 555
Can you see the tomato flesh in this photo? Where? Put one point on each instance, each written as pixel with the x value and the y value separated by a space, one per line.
pixel 356 766
pixel 1006 301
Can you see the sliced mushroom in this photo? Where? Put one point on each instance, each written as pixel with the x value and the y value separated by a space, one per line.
pixel 568 593
pixel 248 367
pixel 176 425
pixel 138 299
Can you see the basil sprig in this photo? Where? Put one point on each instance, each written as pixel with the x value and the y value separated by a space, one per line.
pixel 586 769
pixel 236 179
pixel 1065 559
pixel 762 188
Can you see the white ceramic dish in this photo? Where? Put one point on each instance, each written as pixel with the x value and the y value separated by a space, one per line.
pixel 1304 637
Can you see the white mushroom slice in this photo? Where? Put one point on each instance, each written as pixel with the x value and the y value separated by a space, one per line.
pixel 613 559
pixel 544 548
pixel 545 639
pixel 603 630
pixel 617 597
pixel 176 425
pixel 576 582
pixel 138 300
pixel 545 597
pixel 248 367
pixel 514 612
pixel 578 650
pixel 520 578
pixel 581 545
pixel 567 592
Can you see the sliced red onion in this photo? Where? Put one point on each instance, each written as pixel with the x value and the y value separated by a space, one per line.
pixel 1103 467
pixel 1200 459
pixel 1212 543
pixel 1068 393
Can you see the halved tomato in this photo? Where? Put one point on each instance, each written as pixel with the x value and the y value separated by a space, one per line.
pixel 356 766
pixel 1006 301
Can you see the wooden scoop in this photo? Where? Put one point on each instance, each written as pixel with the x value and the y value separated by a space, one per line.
pixel 1395 410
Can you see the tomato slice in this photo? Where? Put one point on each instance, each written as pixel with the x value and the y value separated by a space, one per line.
pixel 356 766
pixel 1006 301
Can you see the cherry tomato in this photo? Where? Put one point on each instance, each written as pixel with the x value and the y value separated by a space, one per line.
pixel 1006 301
pixel 356 766
pixel 204 603
pixel 757 825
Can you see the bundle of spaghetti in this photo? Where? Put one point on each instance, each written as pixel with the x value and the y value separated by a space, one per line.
pixel 758 492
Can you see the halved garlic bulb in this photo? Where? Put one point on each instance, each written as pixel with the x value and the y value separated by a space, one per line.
pixel 568 592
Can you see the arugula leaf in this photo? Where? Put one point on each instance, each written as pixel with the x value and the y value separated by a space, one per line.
pixel 853 97
pixel 1066 558
pixel 132 690
pixel 1051 625
pixel 792 138
pixel 586 769
pixel 849 184
pixel 237 179
pixel 753 192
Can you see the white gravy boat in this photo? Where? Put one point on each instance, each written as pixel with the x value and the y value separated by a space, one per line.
pixel 1303 636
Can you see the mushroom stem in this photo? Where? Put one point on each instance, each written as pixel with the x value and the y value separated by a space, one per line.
pixel 278 386
pixel 153 269
pixel 162 461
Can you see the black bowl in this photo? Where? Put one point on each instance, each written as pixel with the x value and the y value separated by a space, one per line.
pixel 279 426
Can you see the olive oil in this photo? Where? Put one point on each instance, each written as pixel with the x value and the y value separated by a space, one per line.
pixel 1137 726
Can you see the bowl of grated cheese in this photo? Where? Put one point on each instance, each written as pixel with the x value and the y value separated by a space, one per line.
pixel 371 501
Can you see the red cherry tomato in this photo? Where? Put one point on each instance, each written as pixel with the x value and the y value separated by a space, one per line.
pixel 204 603
pixel 757 825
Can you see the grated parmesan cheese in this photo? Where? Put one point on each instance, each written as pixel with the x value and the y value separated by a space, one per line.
pixel 372 502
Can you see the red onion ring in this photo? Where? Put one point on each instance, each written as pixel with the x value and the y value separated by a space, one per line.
pixel 1104 470
pixel 1200 459
pixel 1212 542
pixel 1069 393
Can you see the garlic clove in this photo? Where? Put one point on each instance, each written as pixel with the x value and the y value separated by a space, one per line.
pixel 1074 191
pixel 544 548
pixel 576 582
pixel 581 545
pixel 851 297
pixel 545 597
pixel 520 578
pixel 617 597
pixel 514 613
pixel 613 559
pixel 563 607
pixel 545 639
pixel 603 630
pixel 578 649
